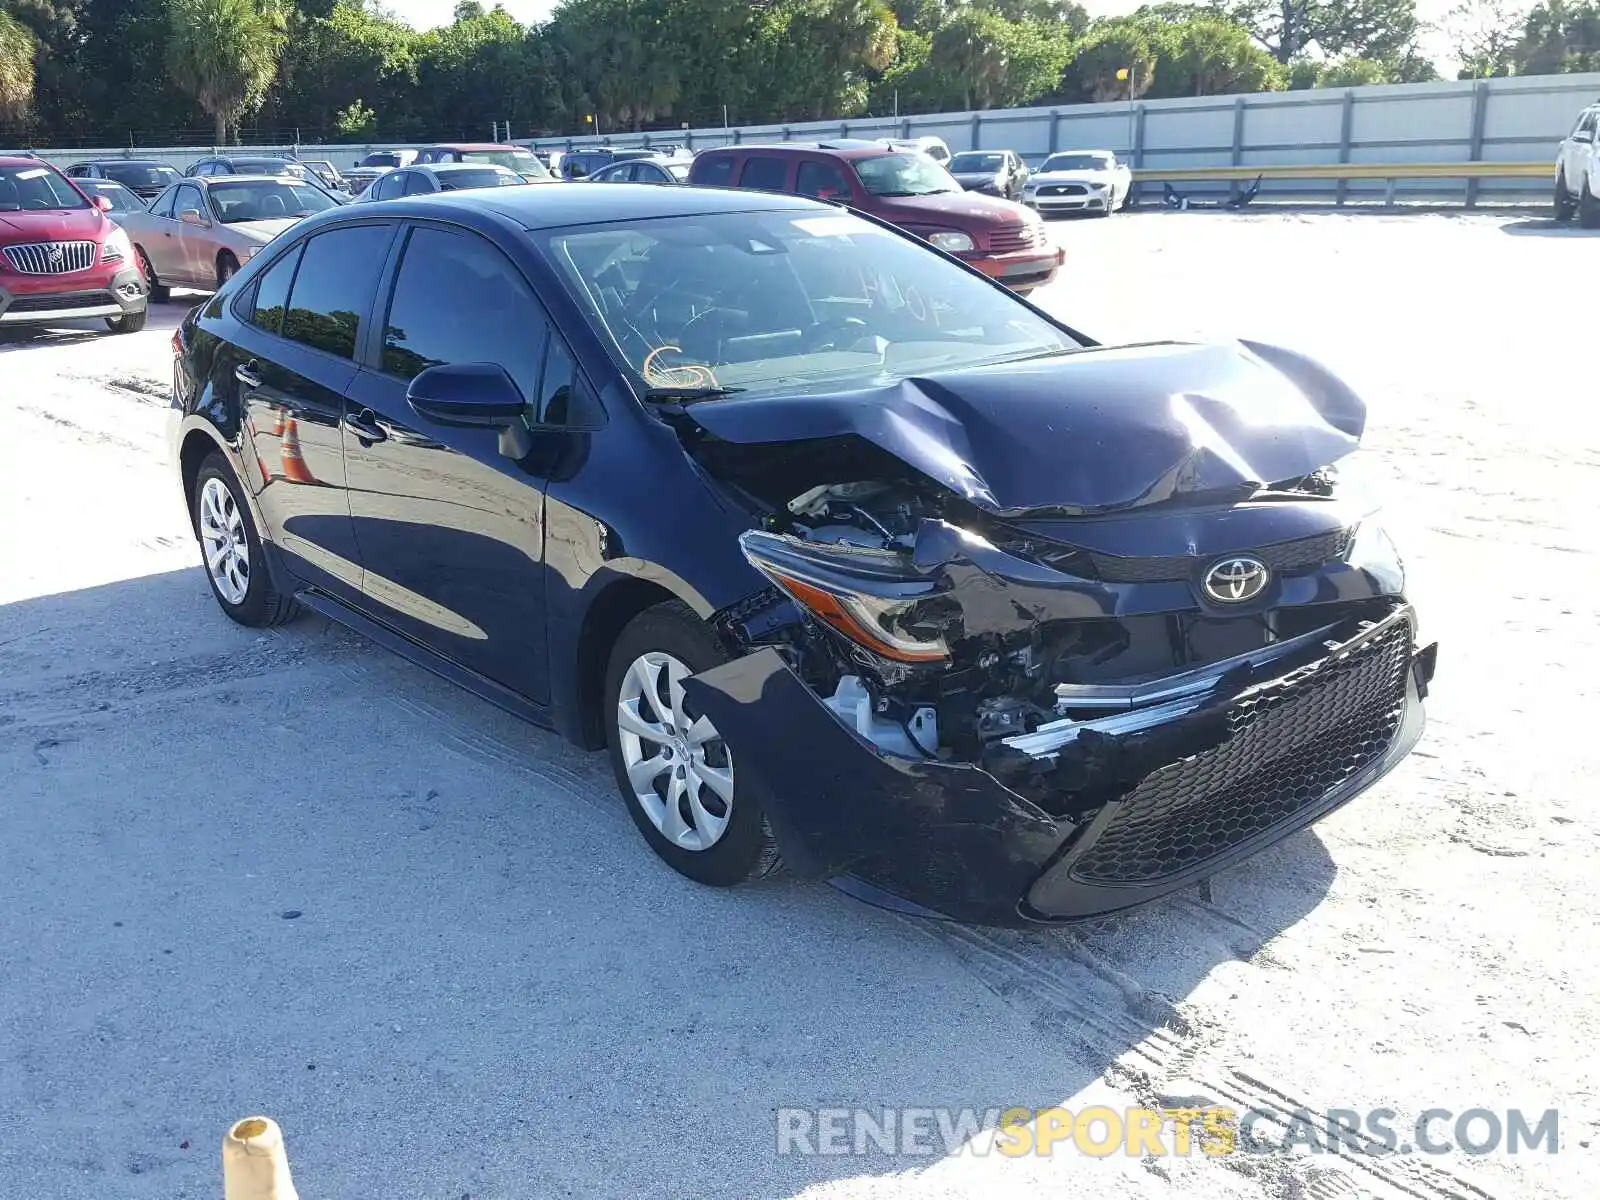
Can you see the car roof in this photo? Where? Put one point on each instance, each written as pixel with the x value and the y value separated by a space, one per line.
pixel 847 148
pixel 242 177
pixel 473 146
pixel 554 207
pixel 457 168
pixel 100 183
pixel 122 162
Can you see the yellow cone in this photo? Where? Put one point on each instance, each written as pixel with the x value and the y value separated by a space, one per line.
pixel 254 1166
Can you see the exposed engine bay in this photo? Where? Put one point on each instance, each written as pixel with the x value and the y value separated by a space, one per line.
pixel 941 618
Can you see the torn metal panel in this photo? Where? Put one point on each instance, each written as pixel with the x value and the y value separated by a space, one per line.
pixel 1094 431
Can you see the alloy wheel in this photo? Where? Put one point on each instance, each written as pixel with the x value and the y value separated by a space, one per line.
pixel 222 536
pixel 679 769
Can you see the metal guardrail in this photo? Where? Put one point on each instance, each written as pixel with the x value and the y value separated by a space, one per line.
pixel 1389 173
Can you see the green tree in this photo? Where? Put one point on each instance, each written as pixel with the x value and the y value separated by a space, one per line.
pixel 983 60
pixel 1355 72
pixel 225 53
pixel 1210 56
pixel 351 56
pixel 16 69
pixel 1559 37
pixel 1110 47
pixel 1375 29
pixel 1483 35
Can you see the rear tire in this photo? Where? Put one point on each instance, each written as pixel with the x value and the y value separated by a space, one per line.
pixel 128 322
pixel 739 846
pixel 222 521
pixel 1564 205
pixel 1588 208
pixel 227 268
pixel 160 293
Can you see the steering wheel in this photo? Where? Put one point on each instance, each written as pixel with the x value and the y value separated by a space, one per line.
pixel 828 335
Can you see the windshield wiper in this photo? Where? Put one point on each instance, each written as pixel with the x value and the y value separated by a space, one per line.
pixel 686 395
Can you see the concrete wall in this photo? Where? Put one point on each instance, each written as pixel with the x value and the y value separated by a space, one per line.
pixel 1495 120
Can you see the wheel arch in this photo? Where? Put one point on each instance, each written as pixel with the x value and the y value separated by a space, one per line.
pixel 608 614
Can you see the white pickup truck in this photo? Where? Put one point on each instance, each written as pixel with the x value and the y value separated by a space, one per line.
pixel 1576 168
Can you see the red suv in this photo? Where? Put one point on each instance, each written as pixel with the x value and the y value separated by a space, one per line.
pixel 61 257
pixel 1005 241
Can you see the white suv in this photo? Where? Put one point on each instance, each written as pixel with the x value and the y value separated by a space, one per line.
pixel 1576 167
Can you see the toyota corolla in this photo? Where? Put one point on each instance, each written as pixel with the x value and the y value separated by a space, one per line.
pixel 851 560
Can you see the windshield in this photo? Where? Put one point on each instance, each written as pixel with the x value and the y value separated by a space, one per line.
pixel 461 181
pixel 977 162
pixel 140 175
pixel 122 200
pixel 268 166
pixel 783 302
pixel 904 175
pixel 25 189
pixel 381 160
pixel 266 200
pixel 521 161
pixel 1077 162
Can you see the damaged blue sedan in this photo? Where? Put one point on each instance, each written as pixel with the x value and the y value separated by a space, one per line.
pixel 855 563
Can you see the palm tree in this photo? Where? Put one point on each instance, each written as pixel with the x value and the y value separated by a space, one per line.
pixel 225 54
pixel 16 69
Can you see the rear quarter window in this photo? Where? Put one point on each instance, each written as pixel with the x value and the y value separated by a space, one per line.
pixel 764 174
pixel 715 172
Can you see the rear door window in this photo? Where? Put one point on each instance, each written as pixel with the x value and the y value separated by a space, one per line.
pixel 764 174
pixel 417 184
pixel 272 293
pixel 334 287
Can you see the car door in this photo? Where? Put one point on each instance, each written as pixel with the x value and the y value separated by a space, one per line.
pixel 303 318
pixel 196 257
pixel 1580 151
pixel 161 242
pixel 448 522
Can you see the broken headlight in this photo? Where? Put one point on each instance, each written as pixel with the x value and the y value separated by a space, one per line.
pixel 1372 551
pixel 870 596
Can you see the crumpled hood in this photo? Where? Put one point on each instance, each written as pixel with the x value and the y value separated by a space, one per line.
pixel 1088 432
pixel 952 210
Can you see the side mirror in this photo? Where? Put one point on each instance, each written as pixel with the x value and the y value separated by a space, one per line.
pixel 102 204
pixel 191 216
pixel 466 394
pixel 474 394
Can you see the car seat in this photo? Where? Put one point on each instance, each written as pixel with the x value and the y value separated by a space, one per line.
pixel 273 207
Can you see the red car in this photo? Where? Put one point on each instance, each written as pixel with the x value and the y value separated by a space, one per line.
pixel 61 257
pixel 1005 241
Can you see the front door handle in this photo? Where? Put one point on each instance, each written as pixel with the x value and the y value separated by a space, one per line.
pixel 245 373
pixel 364 425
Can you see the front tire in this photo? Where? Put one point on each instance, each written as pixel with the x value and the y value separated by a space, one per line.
pixel 128 322
pixel 160 293
pixel 235 566
pixel 675 772
pixel 1565 207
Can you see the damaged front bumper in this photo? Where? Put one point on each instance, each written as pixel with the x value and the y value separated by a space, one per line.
pixel 1171 786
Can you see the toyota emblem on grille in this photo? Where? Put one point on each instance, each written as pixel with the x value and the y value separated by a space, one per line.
pixel 1234 580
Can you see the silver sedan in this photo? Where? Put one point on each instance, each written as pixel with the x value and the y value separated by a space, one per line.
pixel 197 233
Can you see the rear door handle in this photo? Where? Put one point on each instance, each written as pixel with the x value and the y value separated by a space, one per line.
pixel 364 425
pixel 245 373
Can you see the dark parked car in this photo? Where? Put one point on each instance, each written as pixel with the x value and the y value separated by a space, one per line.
pixel 440 177
pixel 119 200
pixel 61 257
pixel 581 163
pixel 1003 240
pixel 146 179
pixel 997 172
pixel 644 170
pixel 248 165
pixel 852 559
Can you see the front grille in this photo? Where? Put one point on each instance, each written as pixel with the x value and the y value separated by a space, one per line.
pixel 61 302
pixel 1030 236
pixel 51 258
pixel 1281 558
pixel 1290 743
pixel 1064 189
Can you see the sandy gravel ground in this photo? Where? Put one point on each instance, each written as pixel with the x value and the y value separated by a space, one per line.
pixel 289 873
